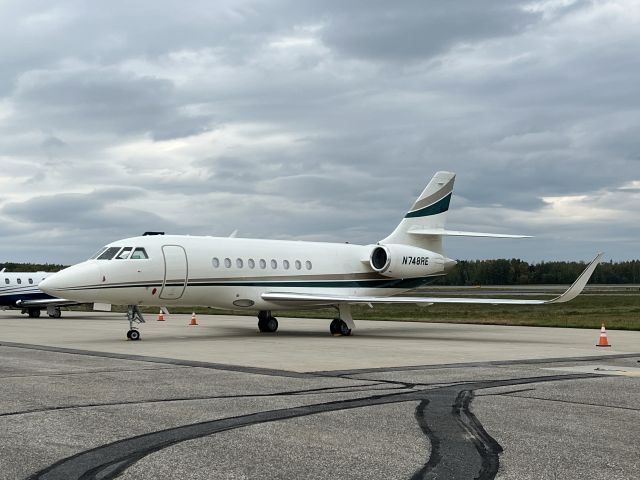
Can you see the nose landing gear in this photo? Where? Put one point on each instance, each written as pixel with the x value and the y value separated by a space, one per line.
pixel 134 315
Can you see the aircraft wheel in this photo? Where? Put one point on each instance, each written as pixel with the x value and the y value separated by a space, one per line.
pixel 268 325
pixel 334 326
pixel 133 335
pixel 344 329
pixel 272 324
pixel 56 313
pixel 34 313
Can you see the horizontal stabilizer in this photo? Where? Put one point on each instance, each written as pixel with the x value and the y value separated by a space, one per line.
pixel 311 299
pixel 457 233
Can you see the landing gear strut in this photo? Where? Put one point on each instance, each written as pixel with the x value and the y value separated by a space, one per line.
pixel 134 315
pixel 266 322
pixel 343 325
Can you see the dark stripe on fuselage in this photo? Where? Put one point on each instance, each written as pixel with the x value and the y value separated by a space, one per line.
pixel 381 283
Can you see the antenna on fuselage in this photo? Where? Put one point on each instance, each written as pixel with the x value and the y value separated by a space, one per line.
pixel 148 234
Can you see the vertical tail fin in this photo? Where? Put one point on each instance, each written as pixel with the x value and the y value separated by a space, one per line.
pixel 428 212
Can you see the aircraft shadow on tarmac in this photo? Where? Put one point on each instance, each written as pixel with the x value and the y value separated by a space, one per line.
pixel 389 334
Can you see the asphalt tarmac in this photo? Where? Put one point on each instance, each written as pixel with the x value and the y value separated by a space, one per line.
pixel 77 400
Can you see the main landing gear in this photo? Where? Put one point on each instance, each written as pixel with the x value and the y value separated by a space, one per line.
pixel 33 312
pixel 266 322
pixel 134 315
pixel 343 325
pixel 54 312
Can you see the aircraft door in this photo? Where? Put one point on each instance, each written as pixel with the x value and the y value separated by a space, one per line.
pixel 175 272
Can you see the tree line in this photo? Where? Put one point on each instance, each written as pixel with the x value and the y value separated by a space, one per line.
pixel 480 272
pixel 519 272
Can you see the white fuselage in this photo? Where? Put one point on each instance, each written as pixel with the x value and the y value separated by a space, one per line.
pixel 228 273
pixel 20 286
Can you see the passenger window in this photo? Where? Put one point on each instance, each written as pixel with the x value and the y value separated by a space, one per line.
pixel 124 253
pixel 274 264
pixel 285 264
pixel 6 280
pixel 19 281
pixel 263 263
pixel 227 262
pixel 109 253
pixel 239 263
pixel 298 265
pixel 215 262
pixel 308 265
pixel 139 254
pixel 251 263
pixel 31 281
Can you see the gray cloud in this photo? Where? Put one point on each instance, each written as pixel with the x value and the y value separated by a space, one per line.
pixel 418 29
pixel 289 119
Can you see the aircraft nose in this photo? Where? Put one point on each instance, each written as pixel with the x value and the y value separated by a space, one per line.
pixel 67 283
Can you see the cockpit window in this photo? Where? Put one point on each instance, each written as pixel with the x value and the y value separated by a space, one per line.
pixel 124 253
pixel 109 253
pixel 95 255
pixel 139 254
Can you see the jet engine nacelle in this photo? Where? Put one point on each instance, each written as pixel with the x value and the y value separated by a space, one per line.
pixel 404 261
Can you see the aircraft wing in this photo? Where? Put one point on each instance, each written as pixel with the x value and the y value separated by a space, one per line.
pixel 45 302
pixel 309 299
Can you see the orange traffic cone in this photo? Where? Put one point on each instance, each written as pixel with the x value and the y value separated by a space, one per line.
pixel 603 342
pixel 161 316
pixel 193 319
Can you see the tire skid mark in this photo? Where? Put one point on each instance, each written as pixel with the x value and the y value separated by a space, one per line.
pixel 485 444
pixel 461 448
pixel 108 461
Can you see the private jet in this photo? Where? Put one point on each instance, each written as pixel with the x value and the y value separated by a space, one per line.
pixel 20 290
pixel 266 275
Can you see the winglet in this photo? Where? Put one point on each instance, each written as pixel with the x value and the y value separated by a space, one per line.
pixel 574 290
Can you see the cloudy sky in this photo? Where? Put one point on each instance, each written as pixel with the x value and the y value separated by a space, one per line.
pixel 319 121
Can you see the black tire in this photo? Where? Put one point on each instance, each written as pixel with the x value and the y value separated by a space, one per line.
pixel 34 313
pixel 261 325
pixel 344 329
pixel 272 324
pixel 134 335
pixel 129 334
pixel 334 327
pixel 56 313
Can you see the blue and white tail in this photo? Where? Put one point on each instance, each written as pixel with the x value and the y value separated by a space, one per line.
pixel 423 225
